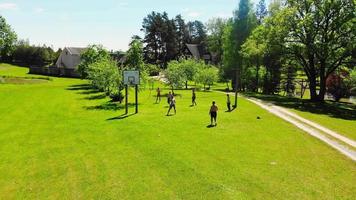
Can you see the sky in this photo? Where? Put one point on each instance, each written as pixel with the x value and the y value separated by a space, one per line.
pixel 78 23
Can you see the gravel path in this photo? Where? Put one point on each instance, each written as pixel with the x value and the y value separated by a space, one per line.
pixel 341 143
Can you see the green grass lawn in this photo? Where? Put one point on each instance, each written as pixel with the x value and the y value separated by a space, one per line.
pixel 63 140
pixel 337 116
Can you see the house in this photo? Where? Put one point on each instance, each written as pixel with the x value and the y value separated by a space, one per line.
pixel 200 52
pixel 66 64
pixel 68 61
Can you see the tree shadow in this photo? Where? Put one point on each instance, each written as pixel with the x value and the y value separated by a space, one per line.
pixel 109 106
pixel 83 89
pixel 333 109
pixel 80 87
pixel 96 97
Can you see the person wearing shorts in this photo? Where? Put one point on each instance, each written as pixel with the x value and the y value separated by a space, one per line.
pixel 172 105
pixel 213 114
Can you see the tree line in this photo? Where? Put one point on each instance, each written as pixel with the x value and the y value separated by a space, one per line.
pixel 20 52
pixel 261 48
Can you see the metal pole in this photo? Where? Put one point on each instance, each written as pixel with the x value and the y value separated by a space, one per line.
pixel 126 100
pixel 136 98
pixel 236 89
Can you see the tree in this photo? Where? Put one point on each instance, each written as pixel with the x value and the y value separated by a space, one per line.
pixel 174 75
pixel 322 35
pixel 135 61
pixel 181 34
pixel 105 75
pixel 215 28
pixel 189 67
pixel 160 39
pixel 8 38
pixel 134 56
pixel 254 50
pixel 197 32
pixel 244 22
pixel 92 54
pixel 207 76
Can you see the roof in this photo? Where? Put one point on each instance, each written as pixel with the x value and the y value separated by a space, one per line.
pixel 195 50
pixel 75 50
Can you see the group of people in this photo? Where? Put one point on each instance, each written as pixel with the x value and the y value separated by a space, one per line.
pixel 213 112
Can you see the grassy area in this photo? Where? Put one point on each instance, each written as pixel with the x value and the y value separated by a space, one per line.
pixel 337 116
pixel 63 140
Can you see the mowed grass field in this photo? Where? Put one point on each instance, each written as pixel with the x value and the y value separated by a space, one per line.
pixel 62 140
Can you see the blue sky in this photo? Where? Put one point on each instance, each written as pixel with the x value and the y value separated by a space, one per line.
pixel 109 22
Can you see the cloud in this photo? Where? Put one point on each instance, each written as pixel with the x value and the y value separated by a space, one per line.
pixel 224 15
pixel 123 4
pixel 39 10
pixel 8 6
pixel 191 13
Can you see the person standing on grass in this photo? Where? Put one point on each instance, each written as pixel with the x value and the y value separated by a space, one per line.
pixel 158 99
pixel 213 114
pixel 172 105
pixel 228 102
pixel 194 96
pixel 169 98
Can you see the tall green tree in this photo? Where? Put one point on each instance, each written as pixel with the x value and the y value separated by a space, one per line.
pixel 197 32
pixel 160 43
pixel 8 39
pixel 92 54
pixel 321 38
pixel 181 34
pixel 215 29
pixel 244 21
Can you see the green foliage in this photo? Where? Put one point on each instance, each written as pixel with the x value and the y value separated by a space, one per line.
pixel 197 32
pixel 175 74
pixel 152 70
pixel 235 34
pixel 8 38
pixel 215 28
pixel 105 76
pixel 160 38
pixel 93 54
pixel 207 76
pixel 26 54
pixel 134 56
pixel 321 37
pixel 135 60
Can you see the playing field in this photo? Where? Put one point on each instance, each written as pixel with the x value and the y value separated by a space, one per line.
pixel 59 139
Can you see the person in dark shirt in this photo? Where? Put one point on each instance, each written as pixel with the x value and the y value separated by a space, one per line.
pixel 194 96
pixel 213 114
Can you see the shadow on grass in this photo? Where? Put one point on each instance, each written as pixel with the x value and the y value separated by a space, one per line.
pixel 333 109
pixel 121 117
pixel 210 126
pixel 80 87
pixel 95 97
pixel 109 106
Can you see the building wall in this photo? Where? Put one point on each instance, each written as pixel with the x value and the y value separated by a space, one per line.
pixel 67 60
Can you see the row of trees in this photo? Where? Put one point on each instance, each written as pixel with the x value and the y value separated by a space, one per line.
pixel 105 73
pixel 180 73
pixel 20 51
pixel 316 37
